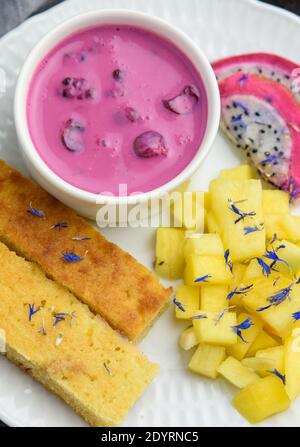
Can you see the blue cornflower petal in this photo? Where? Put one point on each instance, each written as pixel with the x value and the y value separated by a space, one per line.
pixel 269 160
pixel 243 79
pixel 178 304
pixel 59 225
pixel 296 316
pixel 198 317
pixel 70 256
pixel 246 324
pixel 241 291
pixel 278 374
pixel 266 270
pixel 242 214
pixel 35 212
pixel 32 311
pixel 227 260
pixel 204 278
pixel 249 230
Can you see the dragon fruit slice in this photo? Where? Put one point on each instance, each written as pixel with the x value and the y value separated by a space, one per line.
pixel 270 66
pixel 262 116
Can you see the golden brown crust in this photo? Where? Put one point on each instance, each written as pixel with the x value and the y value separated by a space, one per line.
pixel 109 280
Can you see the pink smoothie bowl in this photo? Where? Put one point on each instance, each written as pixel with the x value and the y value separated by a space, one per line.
pixel 87 203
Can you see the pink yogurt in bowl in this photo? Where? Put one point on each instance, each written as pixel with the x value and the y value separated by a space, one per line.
pixel 115 98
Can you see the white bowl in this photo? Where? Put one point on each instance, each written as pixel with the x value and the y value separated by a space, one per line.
pixel 87 203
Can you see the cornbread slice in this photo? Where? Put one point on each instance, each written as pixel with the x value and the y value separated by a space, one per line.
pixel 57 340
pixel 107 279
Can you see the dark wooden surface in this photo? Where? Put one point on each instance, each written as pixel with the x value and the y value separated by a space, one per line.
pixel 291 5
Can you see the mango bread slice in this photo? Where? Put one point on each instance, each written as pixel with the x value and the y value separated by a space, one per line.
pixel 107 279
pixel 57 340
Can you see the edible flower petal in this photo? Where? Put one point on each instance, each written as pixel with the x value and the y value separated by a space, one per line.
pixel 241 291
pixel 242 214
pixel 246 324
pixel 35 212
pixel 278 374
pixel 32 311
pixel 70 256
pixel 227 260
pixel 204 278
pixel 179 305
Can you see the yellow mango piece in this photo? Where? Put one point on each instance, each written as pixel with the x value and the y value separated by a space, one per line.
pixel 198 267
pixel 189 297
pixel 262 341
pixel 243 172
pixel 238 274
pixel 188 339
pixel 291 254
pixel 240 349
pixel 276 355
pixel 277 319
pixel 206 360
pixel 207 200
pixel 285 226
pixel 260 364
pixel 236 373
pixel 213 298
pixel 261 399
pixel 204 245
pixel 248 194
pixel 253 271
pixel 209 331
pixel 275 201
pixel 292 363
pixel 211 223
pixel 188 210
pixel 169 262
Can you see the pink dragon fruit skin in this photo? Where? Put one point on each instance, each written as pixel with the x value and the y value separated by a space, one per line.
pixel 261 115
pixel 271 66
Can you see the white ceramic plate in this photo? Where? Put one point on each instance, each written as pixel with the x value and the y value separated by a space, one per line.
pixel 176 398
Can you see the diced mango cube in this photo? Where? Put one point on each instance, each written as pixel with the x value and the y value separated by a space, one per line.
pixel 169 261
pixel 211 223
pixel 212 268
pixel 292 364
pixel 203 244
pixel 290 253
pixel 206 200
pixel 208 330
pixel 278 319
pixel 262 399
pixel 189 297
pixel 275 201
pixel 188 210
pixel 213 297
pixel 240 349
pixel 262 341
pixel 247 196
pixel 285 226
pixel 242 172
pixel 237 374
pixel 206 360
pixel 276 355
pixel 252 271
pixel 238 271
pixel 260 364
pixel 188 339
